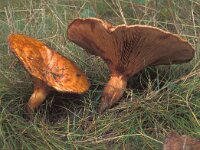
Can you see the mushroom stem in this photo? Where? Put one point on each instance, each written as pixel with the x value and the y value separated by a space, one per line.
pixel 113 91
pixel 41 90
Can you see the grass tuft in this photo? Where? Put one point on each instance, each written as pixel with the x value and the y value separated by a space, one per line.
pixel 157 101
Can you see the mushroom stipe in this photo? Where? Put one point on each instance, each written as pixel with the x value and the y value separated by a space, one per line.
pixel 49 70
pixel 127 50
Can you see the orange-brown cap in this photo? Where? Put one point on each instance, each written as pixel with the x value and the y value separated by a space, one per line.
pixel 48 65
pixel 128 49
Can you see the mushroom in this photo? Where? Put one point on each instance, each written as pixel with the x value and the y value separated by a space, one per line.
pixel 49 70
pixel 175 141
pixel 127 50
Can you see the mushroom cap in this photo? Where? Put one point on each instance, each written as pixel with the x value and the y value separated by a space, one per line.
pixel 128 49
pixel 48 65
pixel 174 141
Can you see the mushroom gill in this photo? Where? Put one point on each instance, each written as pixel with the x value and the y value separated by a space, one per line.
pixel 48 69
pixel 127 50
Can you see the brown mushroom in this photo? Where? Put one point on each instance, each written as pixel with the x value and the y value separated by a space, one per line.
pixel 49 70
pixel 127 50
pixel 175 141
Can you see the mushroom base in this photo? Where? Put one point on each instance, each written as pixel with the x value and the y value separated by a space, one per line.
pixel 41 90
pixel 113 91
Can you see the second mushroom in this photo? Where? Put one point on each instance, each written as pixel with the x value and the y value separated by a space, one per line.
pixel 127 50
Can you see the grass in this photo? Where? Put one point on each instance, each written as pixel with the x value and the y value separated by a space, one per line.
pixel 151 106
